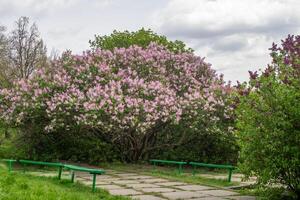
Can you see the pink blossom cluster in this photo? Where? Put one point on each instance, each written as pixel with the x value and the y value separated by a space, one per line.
pixel 119 90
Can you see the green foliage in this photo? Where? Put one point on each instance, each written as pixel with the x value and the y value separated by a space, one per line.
pixel 140 38
pixel 16 186
pixel 268 124
pixel 8 144
pixel 268 193
pixel 83 147
pixel 215 148
pixel 211 146
pixel 211 140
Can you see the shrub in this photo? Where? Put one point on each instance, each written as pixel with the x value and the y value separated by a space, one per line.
pixel 268 119
pixel 126 96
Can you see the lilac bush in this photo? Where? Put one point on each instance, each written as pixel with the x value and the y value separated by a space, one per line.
pixel 124 93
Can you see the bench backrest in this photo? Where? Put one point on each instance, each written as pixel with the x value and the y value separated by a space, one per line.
pixel 212 165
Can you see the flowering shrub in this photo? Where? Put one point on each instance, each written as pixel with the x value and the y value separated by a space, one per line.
pixel 268 120
pixel 124 93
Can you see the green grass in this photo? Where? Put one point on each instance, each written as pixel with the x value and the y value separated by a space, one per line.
pixel 172 174
pixel 18 186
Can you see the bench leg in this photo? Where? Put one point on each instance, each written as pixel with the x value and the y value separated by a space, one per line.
pixel 229 175
pixel 94 183
pixel 73 176
pixel 59 173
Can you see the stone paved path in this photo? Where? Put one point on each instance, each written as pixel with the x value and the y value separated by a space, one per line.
pixel 141 187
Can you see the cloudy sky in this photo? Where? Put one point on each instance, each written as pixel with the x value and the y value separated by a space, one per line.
pixel 233 35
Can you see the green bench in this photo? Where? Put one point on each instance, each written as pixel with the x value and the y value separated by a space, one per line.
pixel 9 163
pixel 94 172
pixel 230 168
pixel 60 167
pixel 179 163
pixel 48 164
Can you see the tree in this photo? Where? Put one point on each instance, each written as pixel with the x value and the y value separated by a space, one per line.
pixel 27 50
pixel 127 96
pixel 4 60
pixel 140 38
pixel 268 119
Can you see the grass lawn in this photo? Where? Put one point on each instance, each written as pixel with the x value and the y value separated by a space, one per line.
pixel 172 174
pixel 18 186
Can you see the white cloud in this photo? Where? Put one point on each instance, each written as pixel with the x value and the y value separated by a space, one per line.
pixel 235 35
pixel 207 18
pixel 35 6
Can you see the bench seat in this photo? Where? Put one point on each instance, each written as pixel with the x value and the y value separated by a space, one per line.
pixel 84 169
pixel 94 172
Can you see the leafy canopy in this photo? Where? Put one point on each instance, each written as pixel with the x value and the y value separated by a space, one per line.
pixel 268 119
pixel 140 38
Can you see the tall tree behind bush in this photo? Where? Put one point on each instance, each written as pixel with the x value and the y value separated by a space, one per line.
pixel 27 49
pixel 268 119
pixel 141 38
pixel 4 60
pixel 21 52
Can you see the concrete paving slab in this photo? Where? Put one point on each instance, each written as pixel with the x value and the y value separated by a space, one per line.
pixel 219 193
pixel 127 174
pixel 109 187
pixel 138 177
pixel 98 182
pixel 241 198
pixel 142 185
pixel 155 180
pixel 102 183
pixel 194 187
pixel 158 190
pixel 105 177
pixel 85 177
pixel 124 182
pixel 126 192
pixel 171 183
pixel 182 195
pixel 146 197
pixel 210 198
pixel 110 180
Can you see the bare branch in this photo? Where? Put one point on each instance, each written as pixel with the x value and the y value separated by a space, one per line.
pixel 27 50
